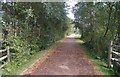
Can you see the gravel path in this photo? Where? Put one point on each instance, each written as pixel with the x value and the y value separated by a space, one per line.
pixel 67 58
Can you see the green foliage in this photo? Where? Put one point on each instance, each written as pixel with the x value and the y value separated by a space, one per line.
pixel 98 24
pixel 100 65
pixel 21 52
pixel 32 27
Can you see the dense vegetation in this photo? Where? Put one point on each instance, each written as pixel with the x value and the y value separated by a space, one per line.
pixel 98 23
pixel 31 27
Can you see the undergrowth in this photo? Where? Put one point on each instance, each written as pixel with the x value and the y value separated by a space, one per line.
pixel 100 64
pixel 22 55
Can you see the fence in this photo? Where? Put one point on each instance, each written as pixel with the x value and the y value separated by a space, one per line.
pixel 4 57
pixel 114 57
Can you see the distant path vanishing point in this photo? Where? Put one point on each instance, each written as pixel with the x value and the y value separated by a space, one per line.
pixel 67 58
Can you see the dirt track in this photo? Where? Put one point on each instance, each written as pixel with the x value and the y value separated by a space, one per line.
pixel 67 58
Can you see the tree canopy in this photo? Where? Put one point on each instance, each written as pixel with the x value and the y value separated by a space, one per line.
pixel 98 24
pixel 32 27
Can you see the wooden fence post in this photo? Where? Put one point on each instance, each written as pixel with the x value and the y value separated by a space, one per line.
pixel 8 54
pixel 110 54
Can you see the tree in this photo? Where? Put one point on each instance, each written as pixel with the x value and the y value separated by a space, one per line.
pixel 98 24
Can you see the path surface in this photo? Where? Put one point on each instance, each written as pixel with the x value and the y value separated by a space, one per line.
pixel 67 59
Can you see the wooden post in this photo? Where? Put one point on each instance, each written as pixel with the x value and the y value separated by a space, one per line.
pixel 8 54
pixel 110 54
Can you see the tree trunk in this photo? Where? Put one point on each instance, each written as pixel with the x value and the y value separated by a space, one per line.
pixel 109 18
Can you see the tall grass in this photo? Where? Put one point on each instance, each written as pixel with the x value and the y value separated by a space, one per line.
pixel 101 65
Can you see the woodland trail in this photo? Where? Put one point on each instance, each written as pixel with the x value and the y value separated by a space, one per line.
pixel 67 58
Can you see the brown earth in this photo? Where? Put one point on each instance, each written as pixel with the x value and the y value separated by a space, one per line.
pixel 67 58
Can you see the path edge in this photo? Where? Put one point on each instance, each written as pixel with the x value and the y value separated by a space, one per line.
pixel 41 58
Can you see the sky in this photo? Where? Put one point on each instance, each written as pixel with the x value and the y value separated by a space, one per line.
pixel 71 3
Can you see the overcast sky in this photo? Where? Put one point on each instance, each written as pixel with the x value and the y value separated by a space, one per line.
pixel 71 3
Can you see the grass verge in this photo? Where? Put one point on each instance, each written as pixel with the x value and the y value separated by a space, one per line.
pixel 99 64
pixel 31 61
